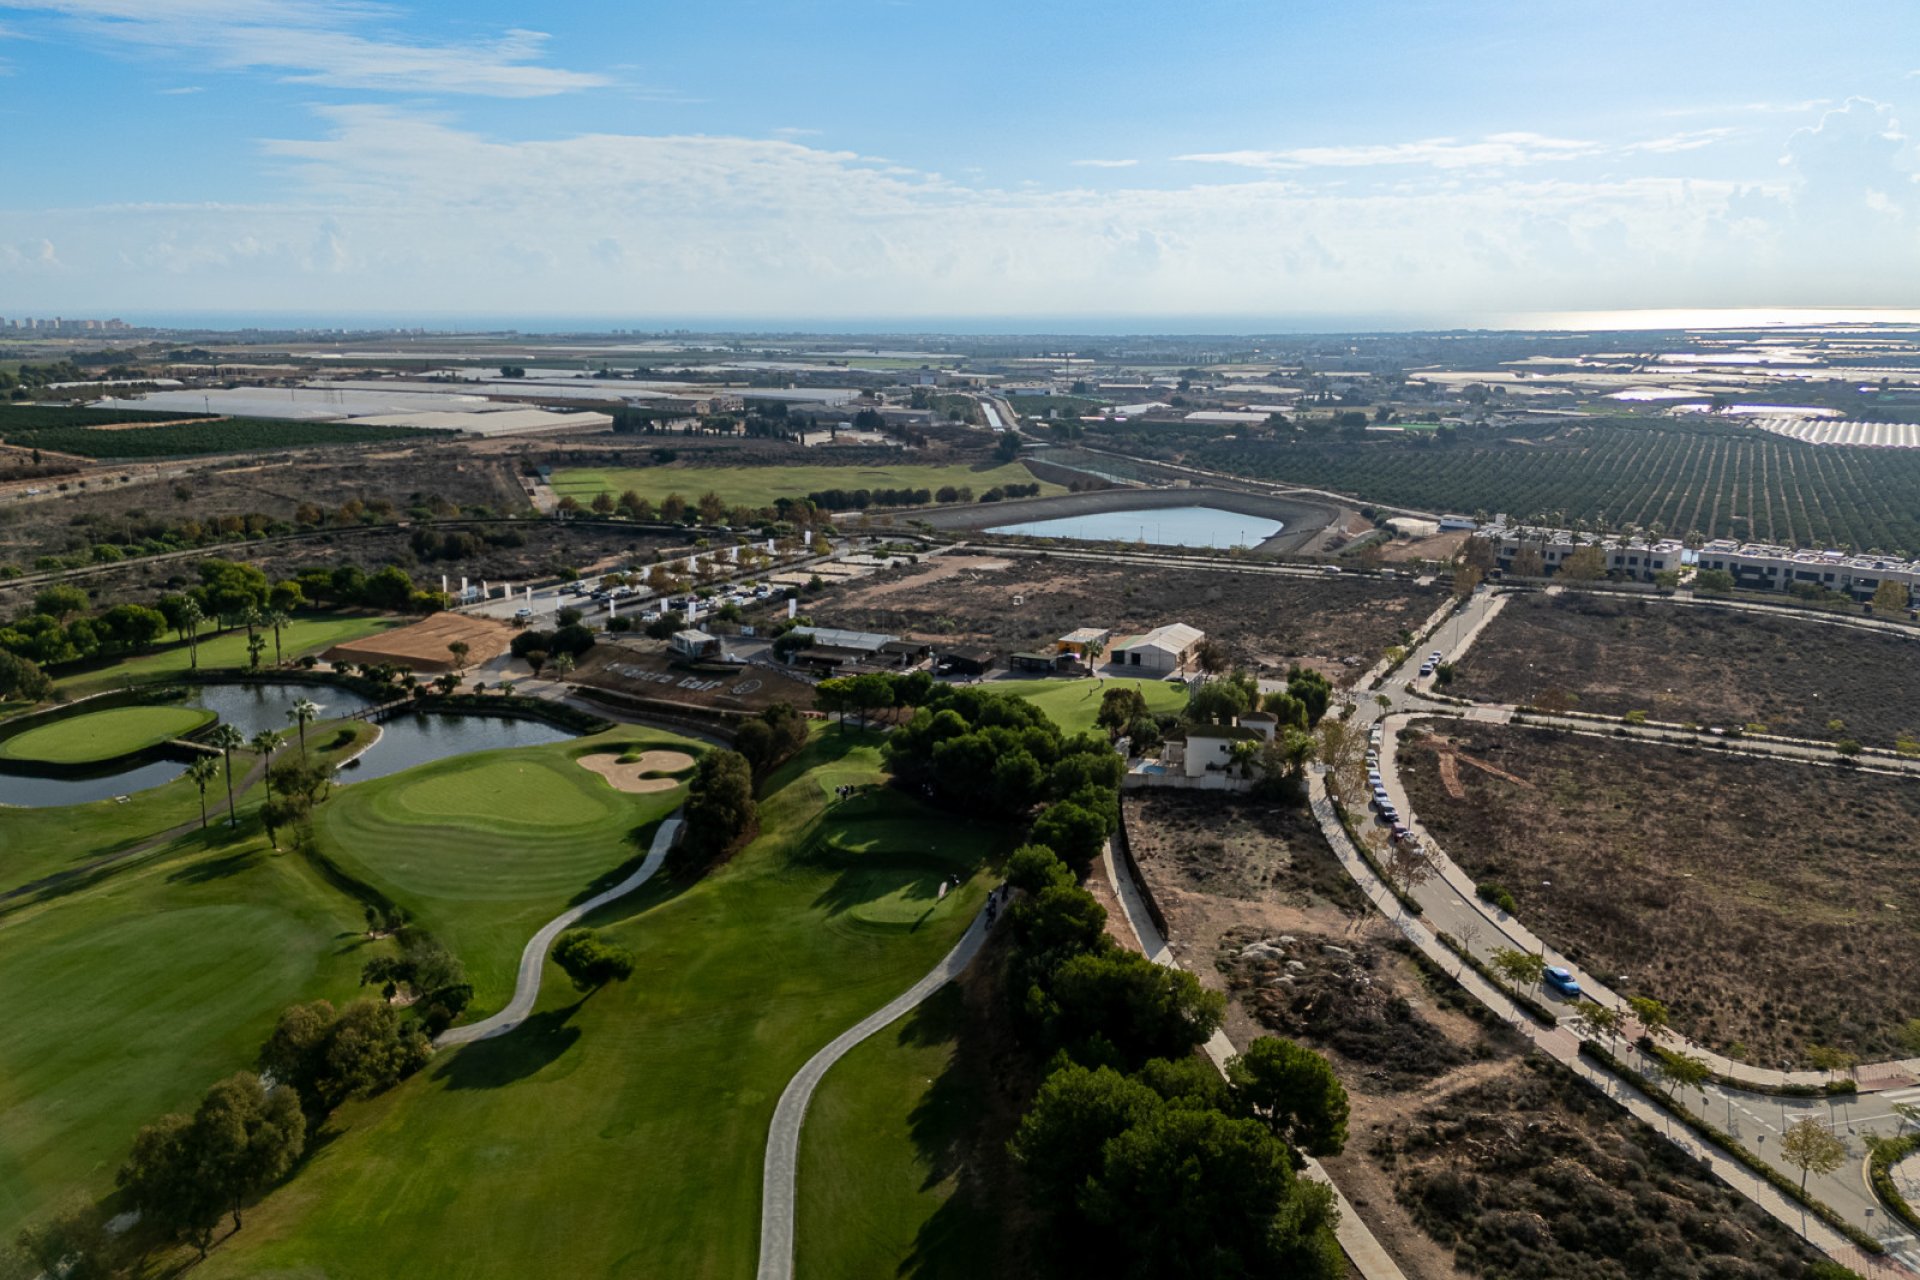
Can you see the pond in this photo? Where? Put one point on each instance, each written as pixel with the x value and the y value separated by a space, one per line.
pixel 253 707
pixel 1159 526
pixel 25 791
pixel 423 737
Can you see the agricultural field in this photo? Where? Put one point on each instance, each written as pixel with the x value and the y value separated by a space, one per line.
pixel 1709 478
pixel 310 633
pixel 125 998
pixel 483 849
pixel 1264 621
pixel 760 486
pixel 117 435
pixel 670 1078
pixel 1038 406
pixel 102 735
pixel 1520 1169
pixel 1773 906
pixel 1073 704
pixel 1697 665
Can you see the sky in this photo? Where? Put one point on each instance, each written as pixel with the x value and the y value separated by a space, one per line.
pixel 822 159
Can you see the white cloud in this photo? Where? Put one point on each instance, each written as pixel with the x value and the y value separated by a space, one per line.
pixel 320 42
pixel 792 131
pixel 182 90
pixel 1104 164
pixel 1495 151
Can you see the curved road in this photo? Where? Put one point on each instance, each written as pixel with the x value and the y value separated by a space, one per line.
pixel 534 958
pixel 783 1138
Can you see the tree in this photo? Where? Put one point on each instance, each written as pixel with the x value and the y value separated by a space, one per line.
pixel 1119 1006
pixel 1034 868
pixel 1587 564
pixel 161 1178
pixel 1651 1014
pixel 1210 656
pixel 460 649
pixel 301 713
pixel 1409 864
pixel 1075 833
pixel 1528 564
pixel 535 659
pixel 278 620
pixel 1007 447
pixel 226 740
pixel 591 961
pixel 201 773
pixel 71 1243
pixel 1074 1115
pixel 1217 702
pixel 1294 1091
pixel 1891 597
pixel 563 664
pixel 1811 1147
pixel 720 810
pixel 1685 1071
pixel 1714 581
pixel 249 1136
pixel 1521 968
pixel 22 678
pixel 1599 1019
pixel 1466 580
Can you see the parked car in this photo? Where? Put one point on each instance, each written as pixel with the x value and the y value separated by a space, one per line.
pixel 523 614
pixel 1399 832
pixel 1389 814
pixel 1561 980
pixel 1433 659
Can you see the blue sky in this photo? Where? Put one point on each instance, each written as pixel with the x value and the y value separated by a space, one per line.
pixel 886 157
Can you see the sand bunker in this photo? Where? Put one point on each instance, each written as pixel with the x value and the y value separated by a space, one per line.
pixel 631 778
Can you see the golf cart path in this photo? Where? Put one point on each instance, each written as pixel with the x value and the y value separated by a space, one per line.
pixel 783 1137
pixel 533 959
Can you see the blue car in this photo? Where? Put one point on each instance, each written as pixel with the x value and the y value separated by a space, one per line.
pixel 1562 980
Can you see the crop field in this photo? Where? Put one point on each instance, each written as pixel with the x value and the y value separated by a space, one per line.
pixel 1339 625
pixel 102 735
pixel 1698 665
pixel 220 435
pixel 484 849
pixel 669 1078
pixel 1073 704
pixel 126 999
pixel 761 486
pixel 1773 906
pixel 18 422
pixel 1717 480
pixel 310 633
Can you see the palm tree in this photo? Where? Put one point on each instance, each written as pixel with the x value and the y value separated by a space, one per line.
pixel 264 742
pixel 277 619
pixel 300 713
pixel 227 740
pixel 201 772
pixel 191 620
pixel 562 665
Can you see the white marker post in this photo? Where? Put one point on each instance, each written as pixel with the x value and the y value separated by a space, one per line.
pixel 793 607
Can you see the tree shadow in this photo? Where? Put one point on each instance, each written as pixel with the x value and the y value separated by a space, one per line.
pixel 879 875
pixel 207 870
pixel 522 1052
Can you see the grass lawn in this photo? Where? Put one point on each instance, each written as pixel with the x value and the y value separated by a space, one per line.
pixel 622 1133
pixel 759 486
pixel 483 849
pixel 103 735
pixel 876 1180
pixel 125 999
pixel 310 633
pixel 1072 704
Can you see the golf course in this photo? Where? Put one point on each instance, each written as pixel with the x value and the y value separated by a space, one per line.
pixel 762 486
pixel 99 736
pixel 1073 704
pixel 664 1084
pixel 308 633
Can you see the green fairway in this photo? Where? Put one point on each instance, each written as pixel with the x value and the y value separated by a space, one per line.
pixel 759 486
pixel 310 633
pixel 103 735
pixel 623 1133
pixel 126 999
pixel 40 842
pixel 484 849
pixel 1073 704
pixel 878 1158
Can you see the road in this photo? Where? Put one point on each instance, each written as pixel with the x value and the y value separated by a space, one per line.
pixel 1449 904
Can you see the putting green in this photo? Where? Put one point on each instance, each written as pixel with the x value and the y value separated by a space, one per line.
pixel 484 849
pixel 102 735
pixel 1073 704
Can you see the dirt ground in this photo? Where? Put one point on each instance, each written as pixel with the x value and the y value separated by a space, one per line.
pixel 1697 665
pixel 1444 546
pixel 1265 621
pixel 423 645
pixel 1773 906
pixel 1520 1169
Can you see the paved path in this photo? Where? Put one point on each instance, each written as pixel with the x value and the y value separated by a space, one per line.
pixel 777 1209
pixel 533 959
pixel 1368 1256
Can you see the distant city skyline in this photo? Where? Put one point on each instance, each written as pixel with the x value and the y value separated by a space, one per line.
pixel 1456 165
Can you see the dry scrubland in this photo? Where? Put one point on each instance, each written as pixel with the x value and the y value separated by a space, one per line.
pixel 1465 1155
pixel 1793 675
pixel 1263 620
pixel 1774 906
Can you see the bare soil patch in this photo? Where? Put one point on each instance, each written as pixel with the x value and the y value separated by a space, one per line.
pixel 1529 1172
pixel 1265 621
pixel 650 773
pixel 1698 665
pixel 1773 906
pixel 423 645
